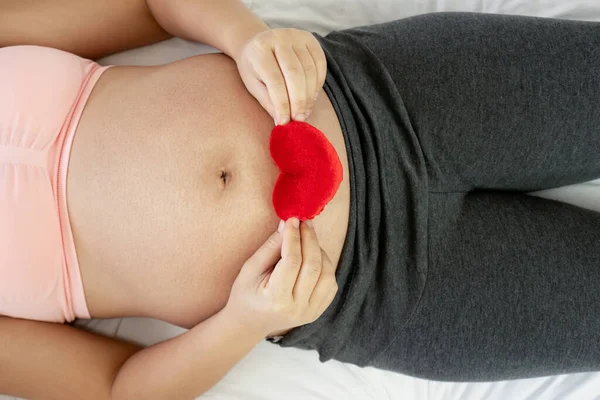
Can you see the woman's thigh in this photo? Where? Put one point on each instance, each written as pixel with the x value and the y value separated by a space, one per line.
pixel 513 291
pixel 497 101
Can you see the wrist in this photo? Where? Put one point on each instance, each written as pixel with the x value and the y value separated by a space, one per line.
pixel 233 322
pixel 237 38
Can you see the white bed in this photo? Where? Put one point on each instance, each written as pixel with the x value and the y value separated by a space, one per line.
pixel 272 373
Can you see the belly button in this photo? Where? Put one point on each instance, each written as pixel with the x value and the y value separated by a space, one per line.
pixel 225 177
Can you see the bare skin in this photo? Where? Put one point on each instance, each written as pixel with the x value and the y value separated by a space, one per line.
pixel 169 188
pixel 169 194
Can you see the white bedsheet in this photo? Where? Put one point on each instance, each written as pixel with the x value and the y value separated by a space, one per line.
pixel 273 373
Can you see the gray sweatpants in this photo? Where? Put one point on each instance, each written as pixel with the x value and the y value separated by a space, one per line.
pixel 450 271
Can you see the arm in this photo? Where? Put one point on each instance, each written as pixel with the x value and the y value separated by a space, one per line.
pixel 88 28
pixel 283 69
pixel 51 361
pixel 95 28
pixel 188 365
pixel 225 24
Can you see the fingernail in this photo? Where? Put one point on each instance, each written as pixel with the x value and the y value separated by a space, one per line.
pixel 296 223
pixel 309 223
pixel 300 117
pixel 281 226
pixel 275 121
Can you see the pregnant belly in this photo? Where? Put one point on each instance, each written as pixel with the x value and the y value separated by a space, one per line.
pixel 169 189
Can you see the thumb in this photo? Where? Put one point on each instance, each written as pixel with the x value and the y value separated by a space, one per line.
pixel 265 257
pixel 258 89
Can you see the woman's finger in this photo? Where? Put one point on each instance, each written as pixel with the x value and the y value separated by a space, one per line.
pixel 286 271
pixel 311 264
pixel 295 81
pixel 270 74
pixel 320 61
pixel 326 287
pixel 258 89
pixel 310 74
pixel 265 257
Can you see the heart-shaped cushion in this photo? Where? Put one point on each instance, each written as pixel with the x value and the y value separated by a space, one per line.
pixel 311 171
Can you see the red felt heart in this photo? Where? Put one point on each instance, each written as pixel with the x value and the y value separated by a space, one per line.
pixel 311 171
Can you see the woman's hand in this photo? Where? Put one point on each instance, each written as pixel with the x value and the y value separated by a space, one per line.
pixel 296 291
pixel 284 69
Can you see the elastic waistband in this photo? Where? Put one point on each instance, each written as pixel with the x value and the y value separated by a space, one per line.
pixel 74 291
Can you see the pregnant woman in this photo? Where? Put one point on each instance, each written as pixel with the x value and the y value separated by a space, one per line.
pixel 446 269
